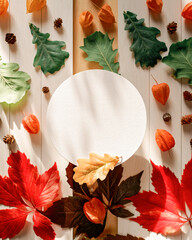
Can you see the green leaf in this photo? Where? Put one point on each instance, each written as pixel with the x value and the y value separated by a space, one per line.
pixel 180 59
pixel 98 47
pixel 50 56
pixel 145 45
pixel 13 83
pixel 127 189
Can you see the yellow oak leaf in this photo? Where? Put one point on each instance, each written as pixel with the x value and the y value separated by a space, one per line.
pixel 35 5
pixel 96 167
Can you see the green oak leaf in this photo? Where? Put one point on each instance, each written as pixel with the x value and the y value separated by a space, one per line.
pixel 145 46
pixel 50 56
pixel 13 83
pixel 98 47
pixel 180 59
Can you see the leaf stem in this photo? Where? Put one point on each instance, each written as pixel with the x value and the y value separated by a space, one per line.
pixel 154 79
pixel 82 196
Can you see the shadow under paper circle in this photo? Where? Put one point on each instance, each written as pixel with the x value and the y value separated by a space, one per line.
pixel 96 111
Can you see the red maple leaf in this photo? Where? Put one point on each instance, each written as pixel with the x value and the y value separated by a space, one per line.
pixel 164 211
pixel 27 191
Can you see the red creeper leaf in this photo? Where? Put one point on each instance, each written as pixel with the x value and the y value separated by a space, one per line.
pixel 22 173
pixel 186 184
pixel 42 227
pixel 47 188
pixel 9 195
pixel 12 222
pixel 167 185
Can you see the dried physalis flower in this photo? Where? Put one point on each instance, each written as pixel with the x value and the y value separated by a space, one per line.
pixel 172 27
pixel 106 15
pixel 10 38
pixel 155 5
pixel 161 92
pixel 86 19
pixel 164 140
pixel 31 124
pixel 35 5
pixel 187 11
pixel 45 89
pixel 95 211
pixel 4 4
pixel 96 167
pixel 187 119
pixel 58 23
pixel 9 139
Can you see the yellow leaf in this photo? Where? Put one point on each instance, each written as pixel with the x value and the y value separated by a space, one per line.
pixel 35 5
pixel 96 167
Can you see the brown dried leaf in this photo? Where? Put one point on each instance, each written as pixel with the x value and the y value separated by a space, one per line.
pixel 96 167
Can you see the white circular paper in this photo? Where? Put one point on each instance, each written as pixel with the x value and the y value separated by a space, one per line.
pixel 96 111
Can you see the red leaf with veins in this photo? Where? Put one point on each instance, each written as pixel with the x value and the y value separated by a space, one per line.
pixel 12 222
pixel 38 191
pixel 46 188
pixel 160 212
pixel 23 174
pixel 167 184
pixel 157 215
pixel 9 195
pixel 42 227
pixel 186 184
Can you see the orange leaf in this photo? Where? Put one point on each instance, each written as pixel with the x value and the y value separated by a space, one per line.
pixel 106 15
pixel 35 5
pixel 155 5
pixel 187 11
pixel 4 4
pixel 96 167
pixel 161 92
pixel 94 211
pixel 86 19
pixel 164 140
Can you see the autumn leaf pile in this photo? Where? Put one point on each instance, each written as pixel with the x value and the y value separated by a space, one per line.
pixel 27 192
pixel 84 210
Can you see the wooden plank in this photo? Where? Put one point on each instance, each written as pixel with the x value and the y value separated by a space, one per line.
pixel 79 64
pixel 4 108
pixel 23 52
pixel 140 79
pixel 186 109
pixel 162 73
pixel 64 10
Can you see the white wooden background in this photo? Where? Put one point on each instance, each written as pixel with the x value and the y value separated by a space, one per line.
pixel 38 147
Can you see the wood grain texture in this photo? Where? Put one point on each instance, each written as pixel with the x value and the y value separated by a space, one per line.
pixel 79 63
pixel 39 147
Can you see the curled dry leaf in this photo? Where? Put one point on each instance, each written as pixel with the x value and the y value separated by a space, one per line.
pixel 96 167
pixel 35 5
pixel 187 11
pixel 31 124
pixel 164 140
pixel 86 19
pixel 155 5
pixel 4 4
pixel 95 211
pixel 106 14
